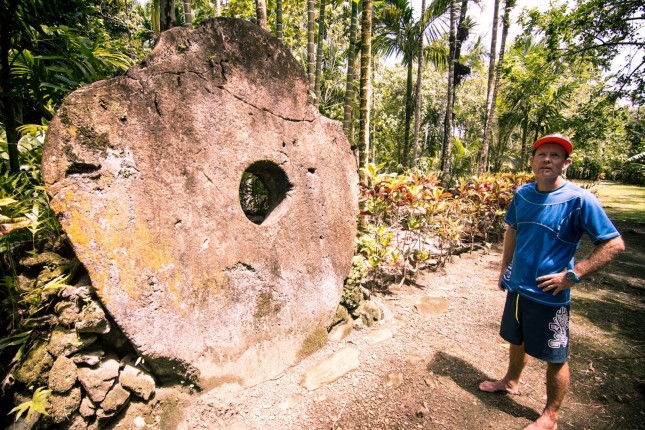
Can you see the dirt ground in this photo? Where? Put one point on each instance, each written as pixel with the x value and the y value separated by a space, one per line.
pixel 426 375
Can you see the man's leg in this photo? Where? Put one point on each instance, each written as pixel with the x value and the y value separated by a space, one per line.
pixel 557 385
pixel 517 359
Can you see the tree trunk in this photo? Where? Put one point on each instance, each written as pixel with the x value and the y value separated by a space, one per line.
pixel 188 14
pixel 525 133
pixel 166 14
pixel 349 88
pixel 218 7
pixel 419 92
pixel 483 157
pixel 261 13
pixel 319 51
pixel 5 84
pixel 498 73
pixel 278 20
pixel 311 54
pixel 408 117
pixel 365 93
pixel 446 148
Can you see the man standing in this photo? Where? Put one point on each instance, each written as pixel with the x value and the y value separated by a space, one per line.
pixel 546 221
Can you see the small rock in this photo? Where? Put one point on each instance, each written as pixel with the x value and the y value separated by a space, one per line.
pixel 395 380
pixel 36 366
pixel 76 422
pixel 341 331
pixel 140 383
pixel 90 356
pixel 93 320
pixel 97 382
pixel 115 399
pixel 331 368
pixel 369 312
pixel 68 313
pixel 87 408
pixel 61 406
pixel 66 342
pixel 62 376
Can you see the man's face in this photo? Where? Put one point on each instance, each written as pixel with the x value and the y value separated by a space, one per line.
pixel 549 161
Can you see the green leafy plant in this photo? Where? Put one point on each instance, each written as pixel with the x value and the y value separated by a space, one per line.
pixel 36 404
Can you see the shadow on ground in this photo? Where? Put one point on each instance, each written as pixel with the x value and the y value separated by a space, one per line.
pixel 469 377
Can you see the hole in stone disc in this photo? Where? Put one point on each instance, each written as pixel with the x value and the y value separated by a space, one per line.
pixel 264 185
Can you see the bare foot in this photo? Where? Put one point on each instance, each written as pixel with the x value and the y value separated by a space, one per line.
pixel 545 422
pixel 500 386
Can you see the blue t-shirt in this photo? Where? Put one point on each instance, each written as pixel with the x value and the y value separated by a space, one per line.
pixel 549 227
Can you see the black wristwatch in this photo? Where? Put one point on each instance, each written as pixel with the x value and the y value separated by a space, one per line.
pixel 571 276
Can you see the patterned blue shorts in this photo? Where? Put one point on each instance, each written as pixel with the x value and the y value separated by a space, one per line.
pixel 543 329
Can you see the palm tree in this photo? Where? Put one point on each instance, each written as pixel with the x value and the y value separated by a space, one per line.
pixel 399 34
pixel 498 73
pixel 419 93
pixel 489 91
pixel 319 51
pixel 311 55
pixel 349 88
pixel 446 147
pixel 188 16
pixel 278 20
pixel 261 13
pixel 365 91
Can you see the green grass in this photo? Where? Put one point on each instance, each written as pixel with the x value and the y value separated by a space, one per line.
pixel 622 202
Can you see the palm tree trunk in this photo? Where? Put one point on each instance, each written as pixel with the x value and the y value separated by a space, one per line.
pixel 311 55
pixel 319 51
pixel 419 92
pixel 446 147
pixel 188 14
pixel 408 116
pixel 166 14
pixel 365 93
pixel 349 88
pixel 498 72
pixel 261 13
pixel 5 85
pixel 278 20
pixel 489 92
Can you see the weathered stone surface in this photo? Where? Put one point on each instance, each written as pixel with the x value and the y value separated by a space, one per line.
pixel 87 409
pixel 144 172
pixel 116 398
pixel 62 376
pixel 36 366
pixel 67 342
pixel 428 306
pixel 136 380
pixel 341 331
pixel 368 312
pixel 61 406
pixel 331 368
pixel 93 319
pixel 68 313
pixel 379 335
pixel 97 382
pixel 90 356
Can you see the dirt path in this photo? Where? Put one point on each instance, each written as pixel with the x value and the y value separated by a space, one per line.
pixel 421 371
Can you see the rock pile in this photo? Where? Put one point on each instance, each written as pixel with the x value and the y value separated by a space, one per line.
pixel 89 367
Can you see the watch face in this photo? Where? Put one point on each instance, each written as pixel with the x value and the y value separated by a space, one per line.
pixel 570 276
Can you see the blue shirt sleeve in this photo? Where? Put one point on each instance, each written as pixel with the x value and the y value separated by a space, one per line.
pixel 595 221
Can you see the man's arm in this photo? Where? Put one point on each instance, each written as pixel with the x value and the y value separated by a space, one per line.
pixel 602 254
pixel 507 253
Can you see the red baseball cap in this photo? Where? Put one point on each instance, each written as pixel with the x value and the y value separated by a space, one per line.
pixel 558 138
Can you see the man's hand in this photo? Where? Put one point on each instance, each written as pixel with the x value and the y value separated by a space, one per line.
pixel 555 282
